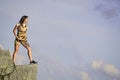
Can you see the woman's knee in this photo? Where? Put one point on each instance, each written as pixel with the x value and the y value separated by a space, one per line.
pixel 28 48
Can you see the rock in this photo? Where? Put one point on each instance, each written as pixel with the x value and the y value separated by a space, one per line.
pixel 1 47
pixel 10 71
pixel 24 72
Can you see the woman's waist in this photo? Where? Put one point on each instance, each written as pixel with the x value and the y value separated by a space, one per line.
pixel 21 32
pixel 19 35
pixel 22 37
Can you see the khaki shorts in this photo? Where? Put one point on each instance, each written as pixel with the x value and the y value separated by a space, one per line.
pixel 23 42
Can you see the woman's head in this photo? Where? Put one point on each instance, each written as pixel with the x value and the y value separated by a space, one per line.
pixel 23 19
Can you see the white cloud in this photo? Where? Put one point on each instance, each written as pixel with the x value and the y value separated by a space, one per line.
pixel 97 64
pixel 111 70
pixel 85 76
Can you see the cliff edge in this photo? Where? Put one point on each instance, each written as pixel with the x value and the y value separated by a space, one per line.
pixel 10 71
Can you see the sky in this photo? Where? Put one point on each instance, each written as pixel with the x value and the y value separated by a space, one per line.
pixel 70 39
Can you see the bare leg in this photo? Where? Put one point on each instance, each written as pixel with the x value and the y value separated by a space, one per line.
pixel 29 52
pixel 16 48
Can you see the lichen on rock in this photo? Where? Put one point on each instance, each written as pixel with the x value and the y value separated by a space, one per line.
pixel 10 71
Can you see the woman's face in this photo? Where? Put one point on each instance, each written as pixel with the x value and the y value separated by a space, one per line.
pixel 26 20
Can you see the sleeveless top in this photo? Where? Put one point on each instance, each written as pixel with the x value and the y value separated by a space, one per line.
pixel 22 29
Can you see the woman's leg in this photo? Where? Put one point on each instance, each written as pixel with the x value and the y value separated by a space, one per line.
pixel 16 48
pixel 29 52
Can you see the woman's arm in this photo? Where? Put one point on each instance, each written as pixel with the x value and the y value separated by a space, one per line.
pixel 14 31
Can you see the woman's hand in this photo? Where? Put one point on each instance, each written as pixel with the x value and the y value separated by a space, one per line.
pixel 20 38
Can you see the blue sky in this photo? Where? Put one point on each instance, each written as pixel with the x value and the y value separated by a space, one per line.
pixel 77 38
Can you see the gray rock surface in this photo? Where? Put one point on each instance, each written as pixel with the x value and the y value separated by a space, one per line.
pixel 10 71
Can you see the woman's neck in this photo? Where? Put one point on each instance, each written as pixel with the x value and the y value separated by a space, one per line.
pixel 24 22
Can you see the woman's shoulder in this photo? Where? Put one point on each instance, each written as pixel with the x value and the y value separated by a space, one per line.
pixel 18 24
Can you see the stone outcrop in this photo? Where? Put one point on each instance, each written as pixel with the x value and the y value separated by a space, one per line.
pixel 10 71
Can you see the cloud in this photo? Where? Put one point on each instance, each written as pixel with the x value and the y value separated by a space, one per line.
pixel 97 64
pixel 85 76
pixel 109 8
pixel 109 69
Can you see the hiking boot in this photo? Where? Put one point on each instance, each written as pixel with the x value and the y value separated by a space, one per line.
pixel 33 62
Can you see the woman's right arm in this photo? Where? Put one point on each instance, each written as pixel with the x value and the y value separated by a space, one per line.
pixel 14 31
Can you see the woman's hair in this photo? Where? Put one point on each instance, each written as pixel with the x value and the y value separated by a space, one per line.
pixel 23 19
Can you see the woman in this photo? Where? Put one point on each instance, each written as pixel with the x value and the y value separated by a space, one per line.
pixel 21 38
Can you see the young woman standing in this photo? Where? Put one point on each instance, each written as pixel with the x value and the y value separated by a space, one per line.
pixel 21 38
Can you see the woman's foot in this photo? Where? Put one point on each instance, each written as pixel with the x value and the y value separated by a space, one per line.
pixel 33 62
